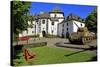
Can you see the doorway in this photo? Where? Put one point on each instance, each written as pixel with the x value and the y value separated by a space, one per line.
pixel 43 33
pixel 67 35
pixel 62 35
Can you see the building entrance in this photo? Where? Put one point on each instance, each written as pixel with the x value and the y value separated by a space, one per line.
pixel 43 33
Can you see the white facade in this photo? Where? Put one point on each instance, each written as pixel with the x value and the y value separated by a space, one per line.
pixel 56 14
pixel 44 25
pixel 80 24
pixel 52 23
pixel 68 27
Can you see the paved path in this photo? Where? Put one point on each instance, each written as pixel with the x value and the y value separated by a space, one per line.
pixel 50 41
pixel 60 43
pixel 64 44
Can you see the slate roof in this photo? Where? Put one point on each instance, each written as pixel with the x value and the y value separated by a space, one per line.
pixel 47 16
pixel 44 15
pixel 73 17
pixel 56 18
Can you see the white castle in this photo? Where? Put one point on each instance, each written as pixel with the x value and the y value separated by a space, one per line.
pixel 53 23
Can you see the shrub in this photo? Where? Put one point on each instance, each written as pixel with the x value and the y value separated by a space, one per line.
pixel 33 35
pixel 51 36
pixel 39 44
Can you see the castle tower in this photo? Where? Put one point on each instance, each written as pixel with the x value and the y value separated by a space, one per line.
pixel 56 17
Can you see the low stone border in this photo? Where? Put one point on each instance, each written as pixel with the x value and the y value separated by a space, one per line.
pixel 39 44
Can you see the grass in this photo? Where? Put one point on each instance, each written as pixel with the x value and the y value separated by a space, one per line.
pixel 51 55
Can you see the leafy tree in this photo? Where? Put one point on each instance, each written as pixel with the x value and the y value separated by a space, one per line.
pixel 19 14
pixel 91 21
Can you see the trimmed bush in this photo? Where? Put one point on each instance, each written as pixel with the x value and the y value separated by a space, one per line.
pixel 39 44
pixel 33 36
pixel 51 36
pixel 16 50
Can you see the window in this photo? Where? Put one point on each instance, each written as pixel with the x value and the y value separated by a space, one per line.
pixel 55 15
pixel 52 31
pixel 67 29
pixel 63 30
pixel 67 24
pixel 81 24
pixel 43 28
pixel 36 20
pixel 68 18
pixel 43 21
pixel 63 25
pixel 32 31
pixel 52 23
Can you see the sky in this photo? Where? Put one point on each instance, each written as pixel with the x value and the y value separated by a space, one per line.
pixel 81 10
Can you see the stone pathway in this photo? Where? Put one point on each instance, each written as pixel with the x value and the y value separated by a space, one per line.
pixel 50 41
pixel 60 43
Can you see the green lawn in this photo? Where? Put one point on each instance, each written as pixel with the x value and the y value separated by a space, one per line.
pixel 51 55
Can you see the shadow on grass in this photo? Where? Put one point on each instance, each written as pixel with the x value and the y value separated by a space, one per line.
pixel 85 49
pixel 82 49
pixel 94 58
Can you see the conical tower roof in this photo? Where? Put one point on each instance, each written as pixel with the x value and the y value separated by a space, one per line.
pixel 56 9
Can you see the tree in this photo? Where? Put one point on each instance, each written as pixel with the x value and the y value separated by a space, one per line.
pixel 91 21
pixel 19 15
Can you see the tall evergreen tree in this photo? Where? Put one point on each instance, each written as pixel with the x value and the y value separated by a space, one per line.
pixel 91 21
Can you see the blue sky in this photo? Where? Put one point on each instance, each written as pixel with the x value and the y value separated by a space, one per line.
pixel 80 10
